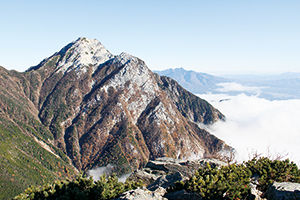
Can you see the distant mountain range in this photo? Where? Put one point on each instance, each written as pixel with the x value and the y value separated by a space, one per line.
pixel 273 87
pixel 84 108
pixel 195 82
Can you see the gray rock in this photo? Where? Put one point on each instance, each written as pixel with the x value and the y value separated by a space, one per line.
pixel 165 166
pixel 166 181
pixel 255 194
pixel 143 194
pixel 164 172
pixel 182 195
pixel 147 175
pixel 283 191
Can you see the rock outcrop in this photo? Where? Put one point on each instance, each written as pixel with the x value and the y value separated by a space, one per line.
pixel 283 191
pixel 143 194
pixel 182 195
pixel 164 172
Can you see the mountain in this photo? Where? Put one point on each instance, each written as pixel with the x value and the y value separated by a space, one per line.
pixel 28 155
pixel 269 86
pixel 84 108
pixel 195 82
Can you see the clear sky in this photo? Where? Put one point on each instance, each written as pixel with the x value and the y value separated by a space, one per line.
pixel 206 36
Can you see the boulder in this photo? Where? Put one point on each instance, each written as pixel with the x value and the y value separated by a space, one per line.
pixel 166 181
pixel 170 169
pixel 255 194
pixel 185 167
pixel 143 194
pixel 147 175
pixel 182 195
pixel 283 191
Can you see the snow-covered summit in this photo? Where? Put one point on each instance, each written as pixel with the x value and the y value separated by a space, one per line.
pixel 82 53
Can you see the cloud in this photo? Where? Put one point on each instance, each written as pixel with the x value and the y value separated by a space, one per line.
pixel 236 87
pixel 254 123
pixel 96 173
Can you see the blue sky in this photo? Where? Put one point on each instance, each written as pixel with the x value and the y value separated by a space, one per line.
pixel 205 36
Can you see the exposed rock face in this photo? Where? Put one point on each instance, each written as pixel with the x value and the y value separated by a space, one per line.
pixel 284 191
pixel 164 172
pixel 182 195
pixel 100 109
pixel 143 194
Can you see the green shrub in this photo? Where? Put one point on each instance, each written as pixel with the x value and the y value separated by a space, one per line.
pixel 273 170
pixel 228 182
pixel 81 188
pixel 232 181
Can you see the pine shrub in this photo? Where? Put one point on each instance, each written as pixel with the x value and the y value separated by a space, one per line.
pixel 273 170
pixel 80 189
pixel 232 181
pixel 228 182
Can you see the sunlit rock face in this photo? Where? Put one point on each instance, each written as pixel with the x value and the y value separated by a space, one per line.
pixel 111 109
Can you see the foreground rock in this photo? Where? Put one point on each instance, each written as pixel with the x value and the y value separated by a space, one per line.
pixel 284 191
pixel 164 172
pixel 182 195
pixel 255 194
pixel 143 194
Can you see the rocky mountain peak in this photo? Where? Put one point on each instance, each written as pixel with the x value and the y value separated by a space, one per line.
pixel 78 55
pixel 82 53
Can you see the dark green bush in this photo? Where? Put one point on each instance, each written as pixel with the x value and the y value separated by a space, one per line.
pixel 228 182
pixel 232 181
pixel 81 188
pixel 273 170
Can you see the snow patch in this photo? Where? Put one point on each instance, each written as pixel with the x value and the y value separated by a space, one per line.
pixel 160 114
pixel 82 54
pixel 135 77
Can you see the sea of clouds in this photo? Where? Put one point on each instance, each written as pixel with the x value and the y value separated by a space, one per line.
pixel 255 124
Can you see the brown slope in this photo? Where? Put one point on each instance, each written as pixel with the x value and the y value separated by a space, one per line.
pixel 26 153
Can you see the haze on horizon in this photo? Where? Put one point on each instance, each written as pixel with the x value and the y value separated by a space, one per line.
pixel 204 36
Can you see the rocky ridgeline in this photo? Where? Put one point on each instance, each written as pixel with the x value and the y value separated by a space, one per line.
pixel 162 173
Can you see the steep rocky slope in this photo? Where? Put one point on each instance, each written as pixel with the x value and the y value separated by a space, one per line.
pixel 96 108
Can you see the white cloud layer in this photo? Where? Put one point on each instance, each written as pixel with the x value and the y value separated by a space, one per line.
pixel 254 123
pixel 236 87
pixel 96 173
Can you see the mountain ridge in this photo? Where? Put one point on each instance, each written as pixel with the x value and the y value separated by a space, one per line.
pixel 269 86
pixel 195 82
